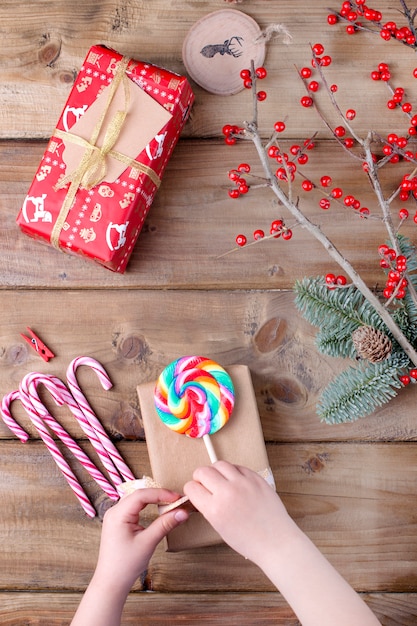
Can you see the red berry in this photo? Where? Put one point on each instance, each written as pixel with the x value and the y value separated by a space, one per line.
pixel 234 193
pixel 403 214
pixel 258 234
pixel 307 185
pixel 376 75
pixel 261 72
pixel 243 188
pixel 325 181
pixel 313 85
pixel 276 226
pixel 333 88
pixel 227 129
pixel 413 373
pixel 302 159
pixel 244 167
pixel 340 131
pixel 332 19
pixel 306 101
pixel 245 74
pixel 287 234
pixel 341 280
pixel 349 200
pixel 387 293
pixel 241 240
pixel 350 114
pixel 230 140
pixel 405 379
pixel 305 72
pixel 279 127
pixel 318 48
pixel 383 249
pixel 261 95
pixel 336 192
pixel 330 279
pixel 247 83
pixel 324 203
pixel 407 107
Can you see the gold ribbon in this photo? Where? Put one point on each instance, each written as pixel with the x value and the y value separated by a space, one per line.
pixel 92 167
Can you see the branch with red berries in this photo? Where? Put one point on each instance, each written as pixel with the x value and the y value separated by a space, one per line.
pixel 386 323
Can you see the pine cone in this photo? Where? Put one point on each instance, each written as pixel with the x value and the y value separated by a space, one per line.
pixel 371 344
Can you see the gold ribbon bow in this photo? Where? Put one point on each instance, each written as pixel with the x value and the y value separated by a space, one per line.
pixel 92 167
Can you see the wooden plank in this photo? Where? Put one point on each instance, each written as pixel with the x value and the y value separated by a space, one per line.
pixel 155 609
pixel 351 499
pixel 134 334
pixel 193 223
pixel 46 48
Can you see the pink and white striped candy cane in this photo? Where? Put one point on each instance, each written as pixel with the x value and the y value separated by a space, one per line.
pixel 89 414
pixel 61 395
pixel 56 453
pixel 8 418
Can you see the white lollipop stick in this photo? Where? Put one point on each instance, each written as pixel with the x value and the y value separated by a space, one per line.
pixel 209 447
pixel 90 416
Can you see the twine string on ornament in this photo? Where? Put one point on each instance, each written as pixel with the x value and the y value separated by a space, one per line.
pixel 275 30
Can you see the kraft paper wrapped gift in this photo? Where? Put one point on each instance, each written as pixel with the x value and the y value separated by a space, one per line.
pixel 103 165
pixel 173 457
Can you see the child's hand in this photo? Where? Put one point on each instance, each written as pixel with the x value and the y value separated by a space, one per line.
pixel 125 550
pixel 241 506
pixel 126 546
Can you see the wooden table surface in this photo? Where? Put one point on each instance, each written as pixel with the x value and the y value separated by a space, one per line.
pixel 350 487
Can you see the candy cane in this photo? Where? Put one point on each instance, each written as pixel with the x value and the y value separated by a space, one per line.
pixel 62 396
pixel 8 418
pixel 56 453
pixel 90 416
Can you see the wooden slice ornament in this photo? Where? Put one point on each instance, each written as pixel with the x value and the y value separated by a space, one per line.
pixel 219 46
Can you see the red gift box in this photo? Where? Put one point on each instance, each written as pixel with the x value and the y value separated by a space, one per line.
pixel 104 162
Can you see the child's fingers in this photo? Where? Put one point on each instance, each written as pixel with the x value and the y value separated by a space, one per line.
pixel 133 503
pixel 164 524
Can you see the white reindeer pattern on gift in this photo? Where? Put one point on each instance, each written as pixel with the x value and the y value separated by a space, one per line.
pixel 38 202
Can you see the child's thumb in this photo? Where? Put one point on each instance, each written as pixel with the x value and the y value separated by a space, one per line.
pixel 167 522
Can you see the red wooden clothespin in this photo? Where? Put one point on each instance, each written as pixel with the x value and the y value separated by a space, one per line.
pixel 38 345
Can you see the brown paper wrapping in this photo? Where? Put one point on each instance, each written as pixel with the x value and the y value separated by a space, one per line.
pixel 174 457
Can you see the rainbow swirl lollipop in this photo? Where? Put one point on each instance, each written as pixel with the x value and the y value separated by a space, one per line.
pixel 194 396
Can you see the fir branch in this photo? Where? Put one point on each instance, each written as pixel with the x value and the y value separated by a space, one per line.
pixel 357 392
pixel 340 311
pixel 336 346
